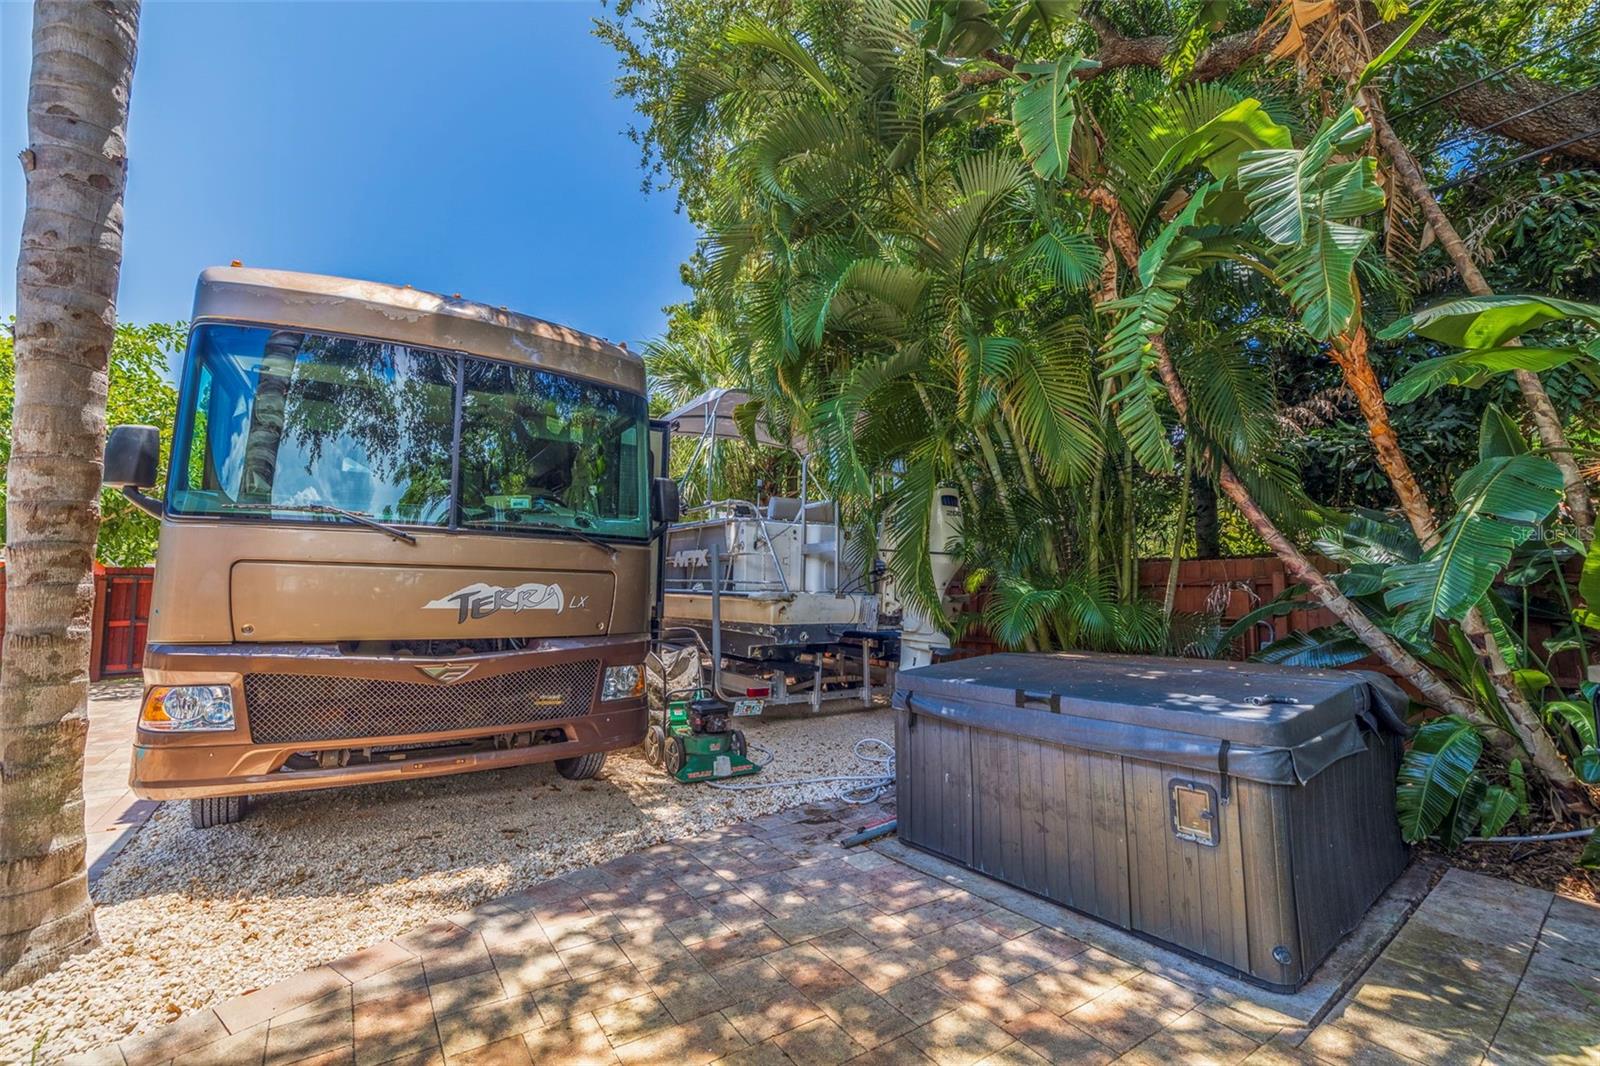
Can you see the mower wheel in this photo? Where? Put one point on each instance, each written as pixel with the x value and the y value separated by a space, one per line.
pixel 674 755
pixel 740 746
pixel 581 767
pixel 655 742
pixel 216 810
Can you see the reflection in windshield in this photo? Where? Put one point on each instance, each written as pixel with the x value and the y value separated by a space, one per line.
pixel 539 449
pixel 276 418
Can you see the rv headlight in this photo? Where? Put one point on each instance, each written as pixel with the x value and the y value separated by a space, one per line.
pixel 622 682
pixel 187 709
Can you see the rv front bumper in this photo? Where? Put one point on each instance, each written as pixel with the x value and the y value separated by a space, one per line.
pixel 309 717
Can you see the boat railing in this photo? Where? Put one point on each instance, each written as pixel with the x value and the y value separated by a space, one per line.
pixel 719 512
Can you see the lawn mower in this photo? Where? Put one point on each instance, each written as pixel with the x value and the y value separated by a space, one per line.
pixel 695 741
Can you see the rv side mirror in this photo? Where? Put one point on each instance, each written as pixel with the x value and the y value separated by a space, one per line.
pixel 664 504
pixel 132 455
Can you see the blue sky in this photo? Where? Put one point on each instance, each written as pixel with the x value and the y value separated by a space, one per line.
pixel 459 147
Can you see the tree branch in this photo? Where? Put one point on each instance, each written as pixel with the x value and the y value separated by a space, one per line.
pixel 1482 105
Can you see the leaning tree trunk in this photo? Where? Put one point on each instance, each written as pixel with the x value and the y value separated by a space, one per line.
pixel 1385 647
pixel 75 167
pixel 1546 420
pixel 1349 351
pixel 1442 695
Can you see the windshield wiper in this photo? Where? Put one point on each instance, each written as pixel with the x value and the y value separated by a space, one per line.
pixel 604 546
pixel 324 508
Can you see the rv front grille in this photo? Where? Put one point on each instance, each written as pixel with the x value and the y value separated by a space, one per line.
pixel 285 708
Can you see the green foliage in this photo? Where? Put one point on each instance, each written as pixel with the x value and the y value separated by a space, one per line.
pixel 1474 369
pixel 1579 717
pixel 1589 589
pixel 1590 858
pixel 138 394
pixel 1480 322
pixel 1398 45
pixel 1186 48
pixel 1084 607
pixel 907 256
pixel 1325 648
pixel 1500 503
pixel 1436 776
pixel 1044 110
pixel 1302 202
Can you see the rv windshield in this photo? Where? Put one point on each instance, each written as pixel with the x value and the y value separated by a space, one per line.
pixel 275 419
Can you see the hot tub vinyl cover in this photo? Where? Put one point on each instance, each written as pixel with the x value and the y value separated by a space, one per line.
pixel 1276 725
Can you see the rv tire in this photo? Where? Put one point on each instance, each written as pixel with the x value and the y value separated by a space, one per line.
pixel 216 810
pixel 582 767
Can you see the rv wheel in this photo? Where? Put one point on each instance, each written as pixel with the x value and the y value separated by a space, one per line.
pixel 582 767
pixel 655 741
pixel 216 810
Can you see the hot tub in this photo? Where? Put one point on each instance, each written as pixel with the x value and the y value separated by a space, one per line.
pixel 1239 812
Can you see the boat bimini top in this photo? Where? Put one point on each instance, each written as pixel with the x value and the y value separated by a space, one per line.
pixel 712 414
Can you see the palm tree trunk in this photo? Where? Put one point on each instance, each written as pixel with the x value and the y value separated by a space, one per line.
pixel 1545 418
pixel 1096 491
pixel 1170 599
pixel 75 168
pixel 1349 351
pixel 1207 524
pixel 1128 566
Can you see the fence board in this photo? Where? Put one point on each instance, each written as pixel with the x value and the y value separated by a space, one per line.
pixel 1237 586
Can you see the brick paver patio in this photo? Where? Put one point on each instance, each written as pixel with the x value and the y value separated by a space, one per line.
pixel 765 943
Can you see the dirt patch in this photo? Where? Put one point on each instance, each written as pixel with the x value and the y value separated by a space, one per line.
pixel 1552 865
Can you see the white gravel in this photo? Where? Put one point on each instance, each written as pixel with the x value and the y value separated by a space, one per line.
pixel 190 918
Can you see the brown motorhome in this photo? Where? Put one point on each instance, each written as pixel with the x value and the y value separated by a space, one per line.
pixel 403 535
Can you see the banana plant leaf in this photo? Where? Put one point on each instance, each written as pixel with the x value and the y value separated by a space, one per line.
pixel 1589 589
pixel 1500 502
pixel 1475 368
pixel 1519 785
pixel 1324 648
pixel 1292 190
pixel 1434 775
pixel 1590 859
pixel 1219 144
pixel 1044 110
pixel 1464 815
pixel 1488 321
pixel 1580 717
pixel 1495 810
pixel 1396 46
pixel 1499 434
pixel 1587 766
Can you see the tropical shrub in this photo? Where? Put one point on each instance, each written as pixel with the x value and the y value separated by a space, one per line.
pixel 139 392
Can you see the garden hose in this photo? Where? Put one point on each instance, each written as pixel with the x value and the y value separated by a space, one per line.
pixel 1537 838
pixel 865 789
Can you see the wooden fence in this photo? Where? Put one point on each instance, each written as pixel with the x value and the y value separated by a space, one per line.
pixel 1232 588
pixel 121 618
